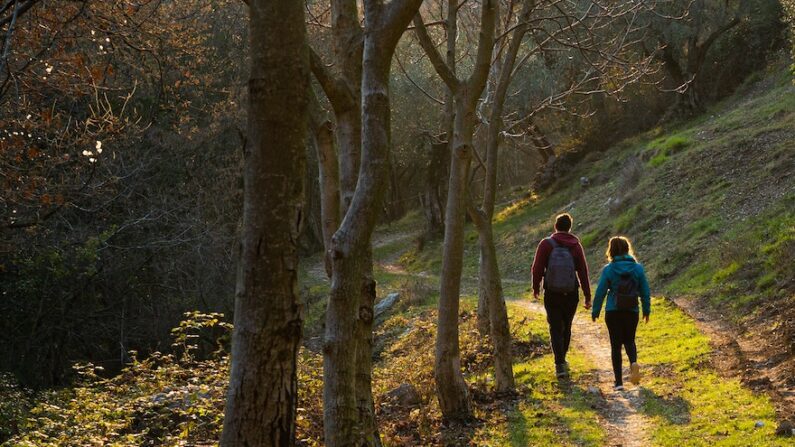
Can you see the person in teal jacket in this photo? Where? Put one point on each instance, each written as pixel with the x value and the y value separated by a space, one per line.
pixel 623 280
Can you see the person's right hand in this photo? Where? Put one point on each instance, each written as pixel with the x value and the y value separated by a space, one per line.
pixel 535 294
pixel 646 319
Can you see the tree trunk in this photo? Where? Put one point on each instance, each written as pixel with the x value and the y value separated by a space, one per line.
pixel 340 414
pixel 483 321
pixel 489 278
pixel 262 395
pixel 349 129
pixel 311 239
pixel 491 288
pixel 364 358
pixel 329 178
pixel 450 385
pixel 351 259
pixel 432 200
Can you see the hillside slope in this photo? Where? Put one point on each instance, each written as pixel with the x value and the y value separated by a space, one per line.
pixel 710 206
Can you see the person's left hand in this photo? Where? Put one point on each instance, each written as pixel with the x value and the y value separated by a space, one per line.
pixel 535 294
pixel 593 318
pixel 587 304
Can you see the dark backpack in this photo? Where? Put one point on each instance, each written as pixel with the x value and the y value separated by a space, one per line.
pixel 627 292
pixel 561 274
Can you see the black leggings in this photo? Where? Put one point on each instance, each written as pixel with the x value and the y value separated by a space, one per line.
pixel 622 326
pixel 560 309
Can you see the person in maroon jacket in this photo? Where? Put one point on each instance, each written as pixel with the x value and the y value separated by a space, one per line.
pixel 561 306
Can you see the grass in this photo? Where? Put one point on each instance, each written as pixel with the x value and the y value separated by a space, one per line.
pixel 748 263
pixel 550 413
pixel 663 148
pixel 689 402
pixel 627 219
pixel 671 338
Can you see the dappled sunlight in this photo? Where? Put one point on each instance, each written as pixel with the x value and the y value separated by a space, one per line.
pixel 515 207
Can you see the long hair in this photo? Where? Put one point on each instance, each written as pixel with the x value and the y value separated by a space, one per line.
pixel 618 246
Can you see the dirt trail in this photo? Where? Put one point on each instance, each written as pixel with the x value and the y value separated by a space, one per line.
pixel 626 426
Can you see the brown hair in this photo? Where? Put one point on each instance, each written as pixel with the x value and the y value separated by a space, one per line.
pixel 563 222
pixel 618 245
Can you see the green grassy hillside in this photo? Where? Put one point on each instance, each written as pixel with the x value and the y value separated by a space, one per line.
pixel 709 205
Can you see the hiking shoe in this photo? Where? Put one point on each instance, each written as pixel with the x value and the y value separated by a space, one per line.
pixel 618 388
pixel 634 373
pixel 561 370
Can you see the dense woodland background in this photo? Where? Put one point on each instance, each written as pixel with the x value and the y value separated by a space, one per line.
pixel 122 131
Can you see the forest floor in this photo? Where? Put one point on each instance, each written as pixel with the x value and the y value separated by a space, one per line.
pixel 683 399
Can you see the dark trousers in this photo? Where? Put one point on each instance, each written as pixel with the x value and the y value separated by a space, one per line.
pixel 622 324
pixel 560 309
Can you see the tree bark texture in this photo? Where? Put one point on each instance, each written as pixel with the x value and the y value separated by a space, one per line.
pixel 489 279
pixel 329 177
pixel 384 25
pixel 450 385
pixel 434 189
pixel 262 395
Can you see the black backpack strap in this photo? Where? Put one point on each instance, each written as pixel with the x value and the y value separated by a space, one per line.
pixel 553 242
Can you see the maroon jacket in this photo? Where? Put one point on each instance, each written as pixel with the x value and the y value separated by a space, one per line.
pixel 542 257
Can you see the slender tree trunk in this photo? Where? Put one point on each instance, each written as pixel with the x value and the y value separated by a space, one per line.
pixel 311 239
pixel 262 395
pixel 351 258
pixel 489 278
pixel 432 202
pixel 349 130
pixel 450 385
pixel 491 288
pixel 499 328
pixel 329 178
pixel 483 323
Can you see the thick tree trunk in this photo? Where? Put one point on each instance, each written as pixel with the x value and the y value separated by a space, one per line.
pixel 260 408
pixel 340 414
pixel 686 76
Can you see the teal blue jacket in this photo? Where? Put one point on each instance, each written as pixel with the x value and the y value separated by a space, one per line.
pixel 611 273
